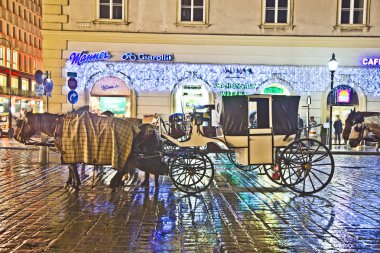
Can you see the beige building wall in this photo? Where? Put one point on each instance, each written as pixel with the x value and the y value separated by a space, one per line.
pixel 233 35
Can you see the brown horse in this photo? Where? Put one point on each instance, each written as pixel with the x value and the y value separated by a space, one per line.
pixel 51 125
pixel 358 123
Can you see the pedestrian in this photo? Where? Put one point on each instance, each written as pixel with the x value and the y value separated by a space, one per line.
pixel 312 126
pixel 300 126
pixel 338 127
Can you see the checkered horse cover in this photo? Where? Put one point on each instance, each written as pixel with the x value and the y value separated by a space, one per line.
pixel 97 140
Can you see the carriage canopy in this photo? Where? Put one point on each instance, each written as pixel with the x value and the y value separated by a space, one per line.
pixel 239 113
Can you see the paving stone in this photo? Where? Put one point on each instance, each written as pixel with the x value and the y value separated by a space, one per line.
pixel 241 212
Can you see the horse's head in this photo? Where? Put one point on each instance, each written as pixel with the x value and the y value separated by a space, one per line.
pixel 26 127
pixel 350 121
pixel 148 139
pixel 356 134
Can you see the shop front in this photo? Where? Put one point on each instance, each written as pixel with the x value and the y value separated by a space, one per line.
pixel 344 99
pixel 111 94
pixel 137 84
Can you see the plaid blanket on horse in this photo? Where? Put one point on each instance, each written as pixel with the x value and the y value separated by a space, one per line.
pixel 97 140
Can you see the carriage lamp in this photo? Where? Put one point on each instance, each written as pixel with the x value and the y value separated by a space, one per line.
pixel 10 128
pixel 333 66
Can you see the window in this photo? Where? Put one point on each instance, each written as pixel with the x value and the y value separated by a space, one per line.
pixel 24 84
pixel 14 83
pixel 3 80
pixel 1 56
pixel 8 57
pixel 111 9
pixel 277 11
pixel 353 11
pixel 15 60
pixel 192 11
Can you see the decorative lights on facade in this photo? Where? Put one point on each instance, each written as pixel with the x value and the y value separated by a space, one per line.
pixel 164 76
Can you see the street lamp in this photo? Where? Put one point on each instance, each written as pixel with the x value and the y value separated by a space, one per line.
pixel 10 128
pixel 333 65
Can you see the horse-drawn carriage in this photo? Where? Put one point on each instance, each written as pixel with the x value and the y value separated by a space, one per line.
pixel 256 131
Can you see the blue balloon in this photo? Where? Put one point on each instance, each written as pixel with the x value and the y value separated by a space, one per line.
pixel 73 97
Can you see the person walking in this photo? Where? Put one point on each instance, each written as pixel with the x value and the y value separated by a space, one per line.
pixel 312 126
pixel 338 127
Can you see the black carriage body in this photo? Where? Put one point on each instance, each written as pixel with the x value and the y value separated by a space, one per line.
pixel 232 114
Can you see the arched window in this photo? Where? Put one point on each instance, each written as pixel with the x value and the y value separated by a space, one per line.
pixel 189 93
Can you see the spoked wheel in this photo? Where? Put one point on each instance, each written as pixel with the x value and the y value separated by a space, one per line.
pixel 169 147
pixel 306 166
pixel 270 172
pixel 191 172
pixel 232 158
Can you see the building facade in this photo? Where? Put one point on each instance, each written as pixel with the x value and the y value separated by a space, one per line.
pixel 20 51
pixel 140 57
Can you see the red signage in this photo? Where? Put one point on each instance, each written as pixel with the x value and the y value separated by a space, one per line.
pixel 72 83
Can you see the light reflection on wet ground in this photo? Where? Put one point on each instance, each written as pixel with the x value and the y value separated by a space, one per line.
pixel 241 212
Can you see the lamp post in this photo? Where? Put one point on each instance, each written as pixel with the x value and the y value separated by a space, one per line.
pixel 333 65
pixel 10 128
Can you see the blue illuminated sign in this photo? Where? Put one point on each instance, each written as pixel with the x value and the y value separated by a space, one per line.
pixel 83 57
pixel 146 57
pixel 371 61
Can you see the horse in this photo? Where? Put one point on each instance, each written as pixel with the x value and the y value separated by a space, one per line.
pixel 358 124
pixel 52 125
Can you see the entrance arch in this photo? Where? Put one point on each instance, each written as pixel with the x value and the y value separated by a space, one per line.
pixel 113 94
pixel 189 93
pixel 345 98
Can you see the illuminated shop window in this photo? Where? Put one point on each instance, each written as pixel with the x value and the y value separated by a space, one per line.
pixel 111 9
pixel 190 93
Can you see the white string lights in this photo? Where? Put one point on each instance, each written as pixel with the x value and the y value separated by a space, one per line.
pixel 164 76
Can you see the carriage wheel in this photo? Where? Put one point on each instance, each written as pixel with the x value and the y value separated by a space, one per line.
pixel 270 172
pixel 306 166
pixel 191 172
pixel 232 158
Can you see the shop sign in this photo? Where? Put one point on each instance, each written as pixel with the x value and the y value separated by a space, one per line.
pixel 117 105
pixel 233 93
pixel 273 90
pixel 83 57
pixel 146 57
pixel 343 96
pixel 371 61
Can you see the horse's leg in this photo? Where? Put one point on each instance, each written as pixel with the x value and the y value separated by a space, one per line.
pixel 116 180
pixel 156 177
pixel 69 178
pixel 146 180
pixel 76 178
pixel 378 146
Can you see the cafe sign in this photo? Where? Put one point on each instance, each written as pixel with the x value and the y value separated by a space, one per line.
pixel 147 57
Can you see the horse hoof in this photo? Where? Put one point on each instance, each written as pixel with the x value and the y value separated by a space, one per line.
pixel 66 185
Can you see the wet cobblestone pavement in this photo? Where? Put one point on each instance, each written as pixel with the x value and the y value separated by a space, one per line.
pixel 241 212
